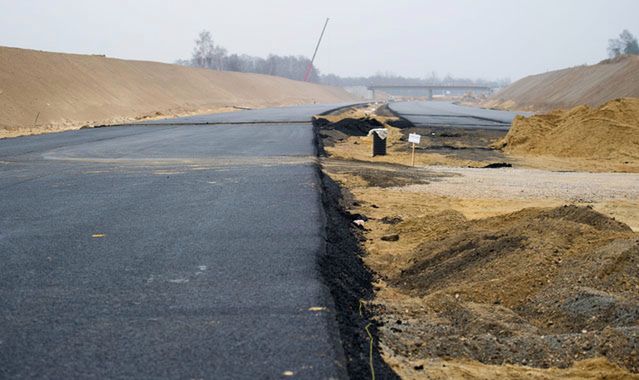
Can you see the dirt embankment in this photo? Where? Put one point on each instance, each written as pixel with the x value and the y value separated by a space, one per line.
pixel 499 283
pixel 606 136
pixel 591 85
pixel 539 287
pixel 42 92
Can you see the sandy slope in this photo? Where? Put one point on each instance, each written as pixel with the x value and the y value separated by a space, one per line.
pixel 591 85
pixel 69 91
pixel 607 137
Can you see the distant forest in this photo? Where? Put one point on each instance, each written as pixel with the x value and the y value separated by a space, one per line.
pixel 209 55
pixel 392 79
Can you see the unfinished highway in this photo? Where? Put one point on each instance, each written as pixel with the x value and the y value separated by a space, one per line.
pixel 170 249
pixel 165 251
pixel 448 114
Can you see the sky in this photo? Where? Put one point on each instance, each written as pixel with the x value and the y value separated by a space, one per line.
pixel 488 39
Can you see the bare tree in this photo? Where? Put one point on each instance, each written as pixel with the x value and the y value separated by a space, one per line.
pixel 625 44
pixel 206 53
pixel 233 63
pixel 209 55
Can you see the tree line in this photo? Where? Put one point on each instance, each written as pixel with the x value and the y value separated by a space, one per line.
pixel 381 79
pixel 208 54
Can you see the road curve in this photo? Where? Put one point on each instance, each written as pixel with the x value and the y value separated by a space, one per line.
pixel 165 251
pixel 447 114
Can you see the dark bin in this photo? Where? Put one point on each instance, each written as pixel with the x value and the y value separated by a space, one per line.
pixel 379 141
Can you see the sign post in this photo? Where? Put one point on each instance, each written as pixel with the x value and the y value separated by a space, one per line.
pixel 412 157
pixel 413 138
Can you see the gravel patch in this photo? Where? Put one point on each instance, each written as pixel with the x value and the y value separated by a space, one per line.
pixel 515 183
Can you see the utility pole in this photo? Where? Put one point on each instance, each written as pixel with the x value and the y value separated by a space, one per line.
pixel 309 69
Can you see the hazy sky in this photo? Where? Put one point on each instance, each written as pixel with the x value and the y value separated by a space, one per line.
pixel 466 38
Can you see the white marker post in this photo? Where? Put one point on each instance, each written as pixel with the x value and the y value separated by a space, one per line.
pixel 415 139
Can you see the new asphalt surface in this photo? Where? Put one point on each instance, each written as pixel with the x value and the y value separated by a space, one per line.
pixel 271 115
pixel 447 114
pixel 166 251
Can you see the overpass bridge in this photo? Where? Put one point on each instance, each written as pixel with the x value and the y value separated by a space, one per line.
pixel 429 88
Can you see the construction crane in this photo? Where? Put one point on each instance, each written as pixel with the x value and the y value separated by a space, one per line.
pixel 309 68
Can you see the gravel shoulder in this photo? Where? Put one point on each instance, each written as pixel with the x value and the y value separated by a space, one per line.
pixel 615 194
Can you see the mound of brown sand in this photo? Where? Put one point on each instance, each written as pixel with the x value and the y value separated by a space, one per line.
pixel 539 287
pixel 567 88
pixel 42 91
pixel 609 132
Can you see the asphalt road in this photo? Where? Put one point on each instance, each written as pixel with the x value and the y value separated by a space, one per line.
pixel 447 114
pixel 164 251
pixel 279 114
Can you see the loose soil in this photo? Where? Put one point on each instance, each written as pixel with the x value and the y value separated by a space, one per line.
pixel 541 287
pixel 606 137
pixel 510 273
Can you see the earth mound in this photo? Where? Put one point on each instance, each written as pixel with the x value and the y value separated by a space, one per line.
pixel 47 92
pixel 591 85
pixel 609 132
pixel 540 287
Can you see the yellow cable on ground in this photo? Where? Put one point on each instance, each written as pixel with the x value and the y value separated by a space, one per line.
pixel 370 351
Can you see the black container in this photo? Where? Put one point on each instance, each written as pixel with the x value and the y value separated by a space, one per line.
pixel 379 145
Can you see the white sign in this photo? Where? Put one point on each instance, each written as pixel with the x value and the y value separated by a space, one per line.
pixel 414 138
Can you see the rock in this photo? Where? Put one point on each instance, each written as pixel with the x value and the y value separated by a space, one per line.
pixel 393 237
pixel 391 219
pixel 497 165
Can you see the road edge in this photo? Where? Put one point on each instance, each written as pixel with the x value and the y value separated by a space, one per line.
pixel 348 280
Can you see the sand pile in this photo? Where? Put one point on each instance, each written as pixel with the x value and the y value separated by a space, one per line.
pixel 609 132
pixel 540 287
pixel 41 91
pixel 567 88
pixel 338 125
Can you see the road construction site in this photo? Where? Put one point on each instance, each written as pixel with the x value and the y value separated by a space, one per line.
pixel 157 234
pixel 484 263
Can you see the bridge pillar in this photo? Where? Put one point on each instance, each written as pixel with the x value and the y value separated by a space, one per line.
pixel 373 91
pixel 430 94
